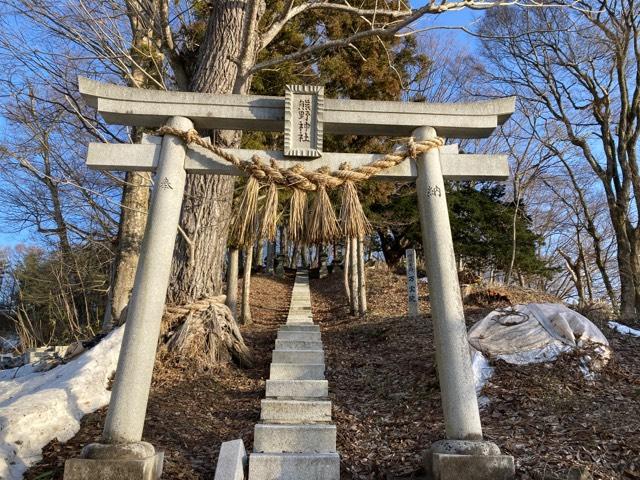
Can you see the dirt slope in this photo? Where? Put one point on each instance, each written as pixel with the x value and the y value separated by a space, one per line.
pixel 384 389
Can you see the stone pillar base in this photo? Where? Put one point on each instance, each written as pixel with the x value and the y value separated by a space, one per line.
pixel 468 460
pixel 136 461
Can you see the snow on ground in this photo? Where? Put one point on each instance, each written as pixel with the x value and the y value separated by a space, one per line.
pixel 482 369
pixel 623 329
pixel 37 407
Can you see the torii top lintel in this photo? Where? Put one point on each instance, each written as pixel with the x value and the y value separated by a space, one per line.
pixel 151 108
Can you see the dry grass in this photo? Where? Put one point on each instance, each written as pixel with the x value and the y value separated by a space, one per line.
pixel 244 223
pixel 322 226
pixel 353 221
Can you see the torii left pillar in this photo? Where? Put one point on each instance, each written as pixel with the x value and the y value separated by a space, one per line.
pixel 122 453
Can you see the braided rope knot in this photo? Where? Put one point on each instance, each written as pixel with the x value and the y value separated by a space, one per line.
pixel 297 177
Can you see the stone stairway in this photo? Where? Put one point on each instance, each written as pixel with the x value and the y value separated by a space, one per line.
pixel 296 439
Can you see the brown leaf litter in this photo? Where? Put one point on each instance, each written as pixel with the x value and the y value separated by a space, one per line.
pixel 386 402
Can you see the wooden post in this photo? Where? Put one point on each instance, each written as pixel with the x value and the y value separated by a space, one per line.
pixel 271 257
pixel 345 267
pixel 353 274
pixel 412 282
pixel 362 281
pixel 245 315
pixel 232 282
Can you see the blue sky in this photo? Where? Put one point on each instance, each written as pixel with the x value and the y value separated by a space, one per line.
pixel 11 235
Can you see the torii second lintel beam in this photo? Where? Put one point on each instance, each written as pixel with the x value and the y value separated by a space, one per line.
pixel 145 157
pixel 151 108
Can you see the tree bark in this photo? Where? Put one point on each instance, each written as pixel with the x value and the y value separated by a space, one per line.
pixel 231 35
pixel 133 220
pixel 136 191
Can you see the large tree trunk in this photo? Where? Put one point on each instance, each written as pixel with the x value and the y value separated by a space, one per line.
pixel 625 267
pixel 198 265
pixel 136 191
pixel 133 219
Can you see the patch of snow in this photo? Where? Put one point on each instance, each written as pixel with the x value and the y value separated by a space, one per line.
pixel 36 407
pixel 482 370
pixel 623 329
pixel 13 373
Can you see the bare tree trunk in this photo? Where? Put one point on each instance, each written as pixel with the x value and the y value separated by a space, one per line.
pixel 588 280
pixel 362 283
pixel 574 271
pixel 245 316
pixel 514 232
pixel 232 282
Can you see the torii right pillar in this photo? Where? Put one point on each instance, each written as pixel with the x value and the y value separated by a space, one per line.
pixel 464 455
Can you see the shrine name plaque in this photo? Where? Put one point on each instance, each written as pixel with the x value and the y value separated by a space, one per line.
pixel 303 120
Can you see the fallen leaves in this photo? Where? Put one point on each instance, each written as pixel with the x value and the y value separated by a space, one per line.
pixel 386 400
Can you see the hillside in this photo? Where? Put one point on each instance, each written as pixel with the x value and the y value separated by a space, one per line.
pixel 385 395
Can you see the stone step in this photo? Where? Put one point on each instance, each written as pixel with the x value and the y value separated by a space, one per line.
pixel 297 388
pixel 294 371
pixel 281 438
pixel 294 466
pixel 298 356
pixel 295 411
pixel 292 327
pixel 293 335
pixel 297 345
pixel 299 320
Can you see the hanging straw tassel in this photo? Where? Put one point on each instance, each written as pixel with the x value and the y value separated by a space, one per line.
pixel 297 213
pixel 323 224
pixel 269 223
pixel 244 222
pixel 353 221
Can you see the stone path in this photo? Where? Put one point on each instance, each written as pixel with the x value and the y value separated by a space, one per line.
pixel 296 439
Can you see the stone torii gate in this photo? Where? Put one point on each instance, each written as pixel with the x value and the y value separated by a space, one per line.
pixel 304 115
